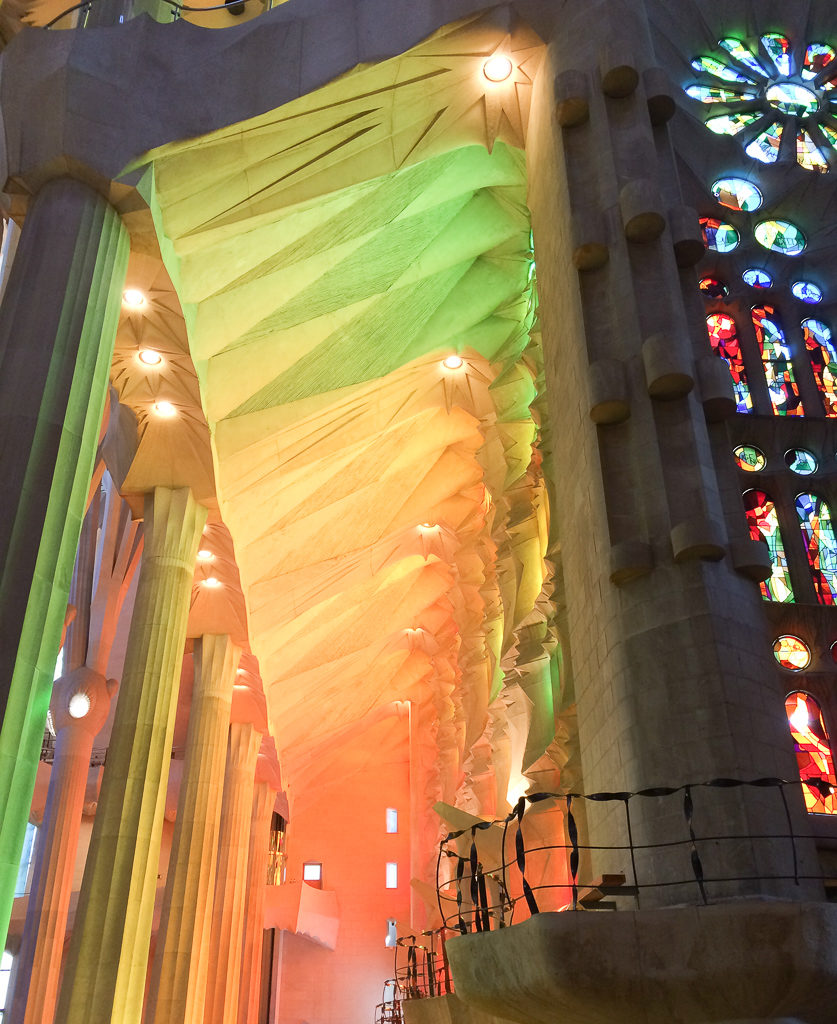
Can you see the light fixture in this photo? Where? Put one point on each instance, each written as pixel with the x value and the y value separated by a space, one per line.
pixel 240 671
pixel 79 705
pixel 212 582
pixel 205 555
pixel 133 298
pixel 165 409
pixel 497 68
pixel 149 357
pixel 453 363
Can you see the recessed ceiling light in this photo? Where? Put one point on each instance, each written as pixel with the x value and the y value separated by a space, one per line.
pixel 79 705
pixel 133 298
pixel 212 582
pixel 149 357
pixel 452 363
pixel 497 68
pixel 205 555
pixel 240 671
pixel 165 409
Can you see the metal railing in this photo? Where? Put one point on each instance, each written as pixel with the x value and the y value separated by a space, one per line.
pixel 388 1011
pixel 132 8
pixel 476 898
pixel 421 965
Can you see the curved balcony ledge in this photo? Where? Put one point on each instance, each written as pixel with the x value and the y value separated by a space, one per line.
pixel 748 960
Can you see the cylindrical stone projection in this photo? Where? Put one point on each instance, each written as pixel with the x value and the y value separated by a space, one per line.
pixel 55 355
pixel 177 991
pixel 105 975
pixel 231 876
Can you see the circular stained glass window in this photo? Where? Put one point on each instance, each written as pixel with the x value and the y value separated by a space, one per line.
pixel 749 458
pixel 780 236
pixel 792 653
pixel 806 291
pixel 791 98
pixel 718 235
pixel 801 461
pixel 713 288
pixel 737 194
pixel 757 278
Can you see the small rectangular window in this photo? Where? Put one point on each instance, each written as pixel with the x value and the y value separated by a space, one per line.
pixel 312 872
pixel 392 819
pixel 392 875
pixel 392 933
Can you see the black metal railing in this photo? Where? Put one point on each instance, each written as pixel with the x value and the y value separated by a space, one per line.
pixel 175 10
pixel 477 898
pixel 421 965
pixel 388 1011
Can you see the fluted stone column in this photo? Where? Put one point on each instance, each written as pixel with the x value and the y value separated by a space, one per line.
pixel 264 800
pixel 57 327
pixel 39 959
pixel 231 877
pixel 179 974
pixel 104 979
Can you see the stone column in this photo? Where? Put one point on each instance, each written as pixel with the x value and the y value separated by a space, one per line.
pixel 231 877
pixel 264 800
pixel 80 705
pixel 104 979
pixel 55 354
pixel 177 991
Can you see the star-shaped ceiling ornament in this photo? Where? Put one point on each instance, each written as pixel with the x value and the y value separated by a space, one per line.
pixel 774 96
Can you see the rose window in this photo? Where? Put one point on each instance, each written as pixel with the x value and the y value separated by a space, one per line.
pixel 773 98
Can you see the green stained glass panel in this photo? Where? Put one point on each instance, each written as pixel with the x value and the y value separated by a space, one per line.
pixel 780 236
pixel 714 67
pixel 735 48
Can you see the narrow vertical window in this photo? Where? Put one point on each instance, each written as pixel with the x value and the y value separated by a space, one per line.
pixel 392 819
pixel 820 545
pixel 724 338
pixel 813 752
pixel 6 964
pixel 764 525
pixel 392 875
pixel 392 933
pixel 776 359
pixel 823 358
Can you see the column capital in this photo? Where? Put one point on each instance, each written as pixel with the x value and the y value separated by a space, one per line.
pixel 81 700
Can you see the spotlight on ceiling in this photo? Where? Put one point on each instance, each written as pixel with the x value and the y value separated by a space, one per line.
pixel 205 555
pixel 453 363
pixel 133 298
pixel 497 68
pixel 149 357
pixel 79 705
pixel 212 583
pixel 165 409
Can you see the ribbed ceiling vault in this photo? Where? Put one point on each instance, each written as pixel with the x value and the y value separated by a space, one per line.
pixel 388 515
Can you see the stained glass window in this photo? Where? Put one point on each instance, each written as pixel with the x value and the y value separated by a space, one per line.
pixel 718 94
pixel 780 236
pixel 817 56
pixel 813 752
pixel 737 194
pixel 735 48
pixel 776 359
pixel 714 67
pixel 756 278
pixel 807 291
pixel 823 356
pixel 749 458
pixel 801 461
pixel 765 146
pixel 808 154
pixel 830 134
pixel 779 49
pixel 718 235
pixel 792 653
pixel 820 545
pixel 724 338
pixel 731 124
pixel 791 98
pixel 764 525
pixel 713 288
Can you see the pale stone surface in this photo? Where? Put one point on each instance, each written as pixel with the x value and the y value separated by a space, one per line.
pixel 105 974
pixel 694 965
pixel 177 990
